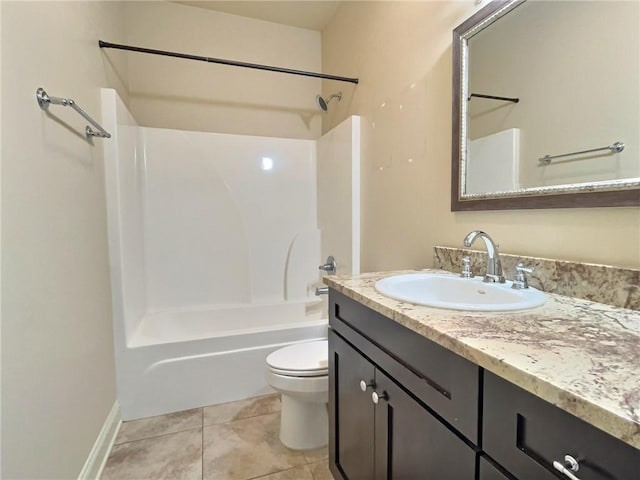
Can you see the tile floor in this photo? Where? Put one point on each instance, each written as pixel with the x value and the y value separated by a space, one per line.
pixel 231 441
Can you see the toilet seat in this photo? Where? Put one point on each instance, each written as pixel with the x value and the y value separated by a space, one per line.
pixel 299 373
pixel 308 359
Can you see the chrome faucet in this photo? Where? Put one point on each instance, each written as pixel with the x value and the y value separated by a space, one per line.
pixel 494 265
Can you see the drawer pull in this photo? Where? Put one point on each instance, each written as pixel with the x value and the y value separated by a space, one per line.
pixel 571 466
pixel 376 397
pixel 364 385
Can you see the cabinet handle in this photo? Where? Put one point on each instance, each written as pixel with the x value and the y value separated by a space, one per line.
pixel 376 397
pixel 364 385
pixel 571 466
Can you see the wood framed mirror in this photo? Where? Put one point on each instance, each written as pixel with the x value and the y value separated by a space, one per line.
pixel 546 106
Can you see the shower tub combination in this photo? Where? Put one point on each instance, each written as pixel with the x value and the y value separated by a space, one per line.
pixel 214 249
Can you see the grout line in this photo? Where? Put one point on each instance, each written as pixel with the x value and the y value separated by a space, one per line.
pixel 273 473
pixel 245 400
pixel 317 460
pixel 157 436
pixel 237 419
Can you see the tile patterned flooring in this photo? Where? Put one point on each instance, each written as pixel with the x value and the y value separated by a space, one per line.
pixel 231 441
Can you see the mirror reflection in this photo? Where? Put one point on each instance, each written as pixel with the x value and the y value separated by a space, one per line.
pixel 552 98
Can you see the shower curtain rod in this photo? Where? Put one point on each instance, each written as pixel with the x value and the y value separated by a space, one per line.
pixel 257 66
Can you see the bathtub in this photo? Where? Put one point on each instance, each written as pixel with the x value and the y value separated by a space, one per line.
pixel 182 359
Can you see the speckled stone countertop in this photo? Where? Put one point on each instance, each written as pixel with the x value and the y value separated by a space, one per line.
pixel 581 356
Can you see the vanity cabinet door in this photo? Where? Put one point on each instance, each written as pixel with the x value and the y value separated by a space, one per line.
pixel 351 412
pixel 526 435
pixel 490 472
pixel 446 382
pixel 412 444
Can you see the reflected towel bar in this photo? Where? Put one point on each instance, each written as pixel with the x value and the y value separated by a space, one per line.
pixel 616 147
pixel 45 100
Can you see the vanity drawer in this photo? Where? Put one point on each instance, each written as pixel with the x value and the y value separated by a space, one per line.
pixel 442 380
pixel 526 434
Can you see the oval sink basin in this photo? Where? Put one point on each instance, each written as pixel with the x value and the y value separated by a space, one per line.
pixel 457 293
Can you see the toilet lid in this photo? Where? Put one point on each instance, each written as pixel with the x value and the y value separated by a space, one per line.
pixel 310 358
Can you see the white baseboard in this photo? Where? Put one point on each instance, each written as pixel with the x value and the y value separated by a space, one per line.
pixel 97 458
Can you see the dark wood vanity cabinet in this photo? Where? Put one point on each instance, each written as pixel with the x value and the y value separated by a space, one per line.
pixel 411 443
pixel 526 435
pixel 395 438
pixel 351 412
pixel 440 417
pixel 380 429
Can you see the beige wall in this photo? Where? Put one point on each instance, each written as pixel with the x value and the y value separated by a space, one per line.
pixel 58 382
pixel 401 51
pixel 189 95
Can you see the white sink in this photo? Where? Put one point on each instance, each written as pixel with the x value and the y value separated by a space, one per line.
pixel 457 293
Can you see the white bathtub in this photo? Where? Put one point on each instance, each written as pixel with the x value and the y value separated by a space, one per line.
pixel 192 358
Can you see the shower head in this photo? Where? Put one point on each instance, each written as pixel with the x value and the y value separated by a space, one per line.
pixel 324 103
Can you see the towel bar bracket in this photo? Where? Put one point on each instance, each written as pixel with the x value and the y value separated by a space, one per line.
pixel 44 100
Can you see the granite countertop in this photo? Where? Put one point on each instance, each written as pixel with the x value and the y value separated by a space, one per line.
pixel 581 356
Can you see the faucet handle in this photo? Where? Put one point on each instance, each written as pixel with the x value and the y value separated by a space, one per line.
pixel 521 281
pixel 466 268
pixel 329 266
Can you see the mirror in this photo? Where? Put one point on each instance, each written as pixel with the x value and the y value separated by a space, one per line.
pixel 546 106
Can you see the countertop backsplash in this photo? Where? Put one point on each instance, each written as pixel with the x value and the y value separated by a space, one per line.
pixel 615 286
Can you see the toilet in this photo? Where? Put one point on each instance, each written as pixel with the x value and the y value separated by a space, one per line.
pixel 300 373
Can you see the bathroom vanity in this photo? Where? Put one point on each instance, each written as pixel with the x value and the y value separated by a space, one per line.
pixel 424 393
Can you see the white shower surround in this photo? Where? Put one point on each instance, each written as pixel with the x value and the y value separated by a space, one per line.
pixel 213 259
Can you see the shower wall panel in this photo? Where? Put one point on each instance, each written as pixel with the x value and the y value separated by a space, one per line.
pixel 338 179
pixel 222 214
pixel 124 175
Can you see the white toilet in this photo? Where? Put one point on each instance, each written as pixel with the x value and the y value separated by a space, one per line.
pixel 300 372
